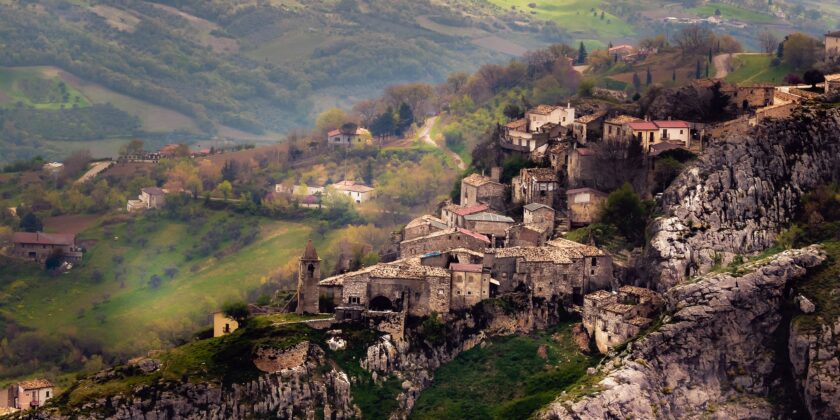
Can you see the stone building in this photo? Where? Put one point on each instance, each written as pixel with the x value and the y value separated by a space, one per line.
pixel 26 395
pixel 444 240
pixel 149 198
pixel 309 273
pixel 832 45
pixel 612 318
pixel 522 235
pixel 748 97
pixel 832 83
pixel 358 192
pixel 454 215
pixel 422 226
pixel 479 189
pixel 470 285
pixel 583 169
pixel 584 205
pixel 38 246
pixel 588 127
pixel 562 268
pixel 536 185
pixel 492 225
pixel 615 127
pixel 558 155
pixel 539 215
pixel 542 115
pixel 541 124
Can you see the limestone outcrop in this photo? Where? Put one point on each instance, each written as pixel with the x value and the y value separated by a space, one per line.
pixel 815 357
pixel 714 355
pixel 740 194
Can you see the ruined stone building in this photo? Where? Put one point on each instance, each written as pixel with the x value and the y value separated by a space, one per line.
pixel 453 214
pixel 536 185
pixel 480 189
pixel 422 226
pixel 612 318
pixel 588 127
pixel 538 216
pixel 832 45
pixel 522 235
pixel 540 125
pixel 584 205
pixel 492 225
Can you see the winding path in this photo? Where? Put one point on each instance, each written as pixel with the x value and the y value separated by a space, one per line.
pixel 723 62
pixel 426 137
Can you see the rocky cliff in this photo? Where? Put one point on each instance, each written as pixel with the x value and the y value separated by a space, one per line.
pixel 715 355
pixel 740 194
pixel 815 357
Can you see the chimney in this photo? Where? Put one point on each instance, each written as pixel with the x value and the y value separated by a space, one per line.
pixel 496 173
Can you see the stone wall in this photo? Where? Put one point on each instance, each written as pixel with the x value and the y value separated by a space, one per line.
pixel 740 194
pixel 271 360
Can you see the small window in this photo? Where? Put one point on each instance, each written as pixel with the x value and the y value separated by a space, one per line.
pixel 591 272
pixel 594 262
pixel 469 292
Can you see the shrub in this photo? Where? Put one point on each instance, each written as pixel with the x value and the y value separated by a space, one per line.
pixel 626 211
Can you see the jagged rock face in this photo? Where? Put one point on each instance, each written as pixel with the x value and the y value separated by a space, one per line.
pixel 816 366
pixel 714 355
pixel 740 194
pixel 295 392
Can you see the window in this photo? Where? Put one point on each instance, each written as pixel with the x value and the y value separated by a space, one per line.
pixel 591 272
pixel 594 262
pixel 48 394
pixel 354 300
pixel 469 292
pixel 458 292
pixel 681 131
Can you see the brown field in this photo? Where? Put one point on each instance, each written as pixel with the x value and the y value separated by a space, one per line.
pixel 662 67
pixel 74 223
pixel 243 156
pixel 129 169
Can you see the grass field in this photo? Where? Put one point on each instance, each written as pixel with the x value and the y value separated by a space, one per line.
pixel 507 379
pixel 728 11
pixel 574 16
pixel 757 69
pixel 128 315
pixel 37 87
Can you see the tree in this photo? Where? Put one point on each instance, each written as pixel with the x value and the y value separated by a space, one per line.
pixel 812 77
pixel 768 41
pixel 31 223
pixel 693 39
pixel 226 189
pixel 229 170
pixel 648 77
pixel 155 281
pixel 238 311
pixel 405 117
pixel 329 120
pixel 800 51
pixel 625 210
pixel 512 111
pixel 54 260
pixel 637 82
pixel 582 54
pixel 133 147
pixel 667 169
pixel 384 124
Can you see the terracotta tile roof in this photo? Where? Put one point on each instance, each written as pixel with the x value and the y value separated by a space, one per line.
pixel 475 235
pixel 540 174
pixel 622 119
pixel 542 109
pixel 585 151
pixel 35 384
pixel 585 190
pixel 639 291
pixel 672 124
pixel 470 268
pixel 334 133
pixel 583 250
pixel 600 295
pixel 427 219
pixel 478 180
pixel 642 126
pixel 536 254
pixel 467 210
pixel 44 238
pixel 586 119
pixel 408 269
pixel 352 186
pixel 517 124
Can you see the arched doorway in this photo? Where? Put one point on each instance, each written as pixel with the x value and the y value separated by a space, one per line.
pixel 381 303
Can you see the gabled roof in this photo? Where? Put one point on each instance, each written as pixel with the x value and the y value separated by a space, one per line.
pixel 537 206
pixel 488 217
pixel 309 253
pixel 352 186
pixel 451 231
pixel 543 109
pixel 478 180
pixel 642 126
pixel 517 124
pixel 427 219
pixel 583 250
pixel 621 47
pixel 44 238
pixel 621 119
pixel 586 119
pixel 671 124
pixel 467 210
pixel 540 174
pixel 659 148
pixel 153 191
pixel 35 384
pixel 469 268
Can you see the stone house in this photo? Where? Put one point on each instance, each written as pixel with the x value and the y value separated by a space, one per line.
pixel 26 395
pixel 150 198
pixel 584 205
pixel 479 189
pixel 38 246
pixel 612 318
pixel 615 128
pixel 622 52
pixel 223 325
pixel 832 83
pixel 563 269
pixel 444 240
pixel 522 235
pixel 357 191
pixel 348 136
pixel 832 45
pixel 537 214
pixel 492 225
pixel 586 127
pixel 470 285
pixel 583 168
pixel 541 124
pixel 558 155
pixel 536 185
pixel 748 97
pixel 453 214
pixel 422 226
pixel 549 114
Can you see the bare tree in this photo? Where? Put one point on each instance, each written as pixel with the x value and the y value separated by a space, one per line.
pixel 621 160
pixel 768 41
pixel 694 39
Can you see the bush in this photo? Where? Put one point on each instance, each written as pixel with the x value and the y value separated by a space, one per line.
pixel 237 311
pixel 626 211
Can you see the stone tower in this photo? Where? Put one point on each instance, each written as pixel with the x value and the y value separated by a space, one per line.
pixel 309 274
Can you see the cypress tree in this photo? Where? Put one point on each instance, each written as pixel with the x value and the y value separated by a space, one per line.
pixel 581 54
pixel 649 77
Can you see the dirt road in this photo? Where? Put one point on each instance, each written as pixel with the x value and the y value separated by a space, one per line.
pixel 426 137
pixel 95 169
pixel 723 63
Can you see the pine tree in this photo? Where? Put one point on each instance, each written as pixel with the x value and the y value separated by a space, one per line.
pixel 648 78
pixel 582 54
pixel 710 55
pixel 707 70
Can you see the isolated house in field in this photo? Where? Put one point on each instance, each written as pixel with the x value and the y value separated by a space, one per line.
pixel 223 325
pixel 480 189
pixel 39 246
pixel 348 136
pixel 832 45
pixel 357 191
pixel 149 198
pixel 27 395
pixel 621 52
pixel 584 205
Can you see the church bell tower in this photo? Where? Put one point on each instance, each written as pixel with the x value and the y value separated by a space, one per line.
pixel 309 274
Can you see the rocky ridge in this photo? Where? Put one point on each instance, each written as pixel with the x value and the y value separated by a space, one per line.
pixel 740 194
pixel 713 356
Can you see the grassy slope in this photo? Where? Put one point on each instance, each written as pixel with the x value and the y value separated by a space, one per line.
pixel 130 318
pixel 12 93
pixel 574 16
pixel 757 69
pixel 728 11
pixel 506 379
